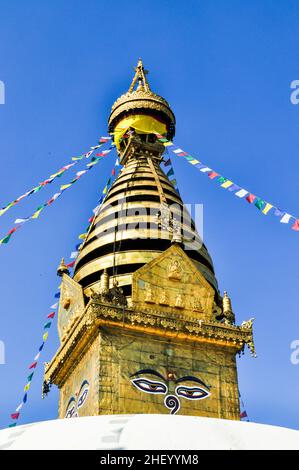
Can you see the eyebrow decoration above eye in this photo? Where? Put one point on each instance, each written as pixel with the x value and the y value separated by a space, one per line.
pixel 190 378
pixel 149 371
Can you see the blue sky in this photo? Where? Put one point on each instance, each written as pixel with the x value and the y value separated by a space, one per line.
pixel 226 69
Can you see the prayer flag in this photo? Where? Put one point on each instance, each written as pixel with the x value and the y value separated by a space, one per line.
pixel 51 315
pixel 15 415
pixel 296 225
pixel 213 175
pixel 285 219
pixel 267 208
pixel 250 198
pixel 70 265
pixel 259 203
pixel 226 184
pixel 205 169
pixel 234 187
pixel 241 193
pixel 33 365
pixel 45 336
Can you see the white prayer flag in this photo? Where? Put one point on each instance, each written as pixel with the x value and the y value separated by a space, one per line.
pixel 205 170
pixel 285 219
pixel 241 193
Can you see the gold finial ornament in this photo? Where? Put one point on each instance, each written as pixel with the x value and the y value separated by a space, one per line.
pixel 62 268
pixel 104 282
pixel 228 314
pixel 142 101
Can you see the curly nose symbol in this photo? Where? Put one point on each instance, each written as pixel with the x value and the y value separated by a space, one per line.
pixel 172 403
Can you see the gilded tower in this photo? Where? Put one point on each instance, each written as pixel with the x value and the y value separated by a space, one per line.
pixel 142 324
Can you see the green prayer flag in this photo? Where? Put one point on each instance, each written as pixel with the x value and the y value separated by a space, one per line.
pixel 37 188
pixel 5 239
pixel 12 425
pixel 221 179
pixel 259 204
pixel 47 325
pixel 29 378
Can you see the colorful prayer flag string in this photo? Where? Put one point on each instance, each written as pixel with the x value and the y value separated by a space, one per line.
pixel 21 221
pixel 262 205
pixel 32 367
pixel 59 173
pixel 243 413
pixel 74 254
pixel 168 168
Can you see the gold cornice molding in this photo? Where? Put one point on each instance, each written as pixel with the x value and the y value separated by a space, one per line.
pixel 155 323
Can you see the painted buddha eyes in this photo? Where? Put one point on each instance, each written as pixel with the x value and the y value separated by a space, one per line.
pixel 73 405
pixel 149 386
pixel 171 401
pixel 83 393
pixel 192 393
pixel 71 411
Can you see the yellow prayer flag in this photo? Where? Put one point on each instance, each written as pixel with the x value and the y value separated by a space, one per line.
pixel 45 336
pixel 267 208
pixel 36 214
pixel 166 144
pixel 65 186
pixel 226 184
pixel 26 388
pixel 193 162
pixel 105 190
pixel 82 236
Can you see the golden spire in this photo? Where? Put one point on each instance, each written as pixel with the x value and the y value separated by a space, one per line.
pixel 140 76
pixel 141 100
pixel 62 268
pixel 227 309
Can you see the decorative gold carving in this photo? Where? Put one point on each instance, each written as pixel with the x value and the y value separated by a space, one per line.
pixel 248 324
pixel 149 295
pixel 71 305
pixel 66 303
pixel 197 307
pixel 164 298
pixel 179 301
pixel 174 271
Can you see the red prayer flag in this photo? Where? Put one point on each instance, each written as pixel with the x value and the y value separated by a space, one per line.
pixel 33 365
pixel 182 154
pixel 250 198
pixel 91 219
pixel 113 171
pixel 213 175
pixel 296 225
pixel 103 140
pixel 12 231
pixel 15 415
pixel 243 415
pixel 70 265
pixel 51 315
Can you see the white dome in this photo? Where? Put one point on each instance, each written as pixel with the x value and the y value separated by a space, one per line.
pixel 147 432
